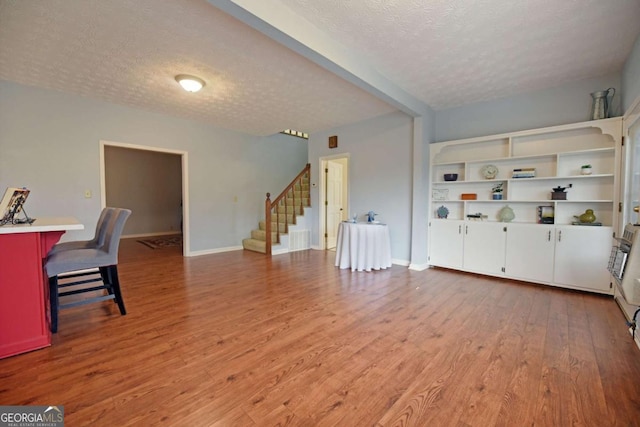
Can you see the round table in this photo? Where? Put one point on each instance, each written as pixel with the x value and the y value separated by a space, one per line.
pixel 363 246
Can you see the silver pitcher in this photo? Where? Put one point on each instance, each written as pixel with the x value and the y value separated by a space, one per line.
pixel 600 105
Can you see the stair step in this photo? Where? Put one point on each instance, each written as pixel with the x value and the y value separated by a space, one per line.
pixel 262 235
pixel 273 226
pixel 306 201
pixel 255 245
pixel 290 218
pixel 303 186
pixel 299 194
pixel 290 210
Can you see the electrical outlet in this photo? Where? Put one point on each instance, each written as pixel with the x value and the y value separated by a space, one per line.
pixel 87 194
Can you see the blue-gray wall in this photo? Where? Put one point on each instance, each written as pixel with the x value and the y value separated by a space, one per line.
pixel 50 143
pixel 380 174
pixel 631 77
pixel 569 103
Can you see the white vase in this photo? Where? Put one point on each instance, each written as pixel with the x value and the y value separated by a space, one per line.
pixel 506 214
pixel 585 171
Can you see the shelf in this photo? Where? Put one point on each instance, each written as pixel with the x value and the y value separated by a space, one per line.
pixel 588 152
pixel 512 158
pixel 538 178
pixel 532 157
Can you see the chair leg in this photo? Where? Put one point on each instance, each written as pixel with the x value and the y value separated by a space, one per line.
pixel 106 279
pixel 53 303
pixel 115 285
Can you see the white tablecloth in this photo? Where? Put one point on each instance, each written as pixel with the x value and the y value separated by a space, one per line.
pixel 363 246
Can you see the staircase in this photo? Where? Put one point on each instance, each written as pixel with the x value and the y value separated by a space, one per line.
pixel 285 227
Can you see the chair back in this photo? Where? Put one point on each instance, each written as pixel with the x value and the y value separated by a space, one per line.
pixel 114 231
pixel 101 227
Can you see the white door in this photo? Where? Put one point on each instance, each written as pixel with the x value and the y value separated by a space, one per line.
pixel 632 183
pixel 334 201
pixel 582 255
pixel 530 250
pixel 484 247
pixel 445 247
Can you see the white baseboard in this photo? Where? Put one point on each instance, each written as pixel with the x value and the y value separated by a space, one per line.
pixel 317 248
pixel 401 262
pixel 418 267
pixel 279 251
pixel 213 251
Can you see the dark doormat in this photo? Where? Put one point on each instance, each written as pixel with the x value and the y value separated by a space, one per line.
pixel 162 242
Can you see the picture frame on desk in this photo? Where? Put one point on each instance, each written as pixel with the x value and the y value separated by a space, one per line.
pixel 11 203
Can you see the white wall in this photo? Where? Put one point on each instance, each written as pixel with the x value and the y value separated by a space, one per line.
pixel 631 77
pixel 568 103
pixel 380 173
pixel 49 142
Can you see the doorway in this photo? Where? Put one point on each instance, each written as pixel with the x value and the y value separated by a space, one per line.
pixel 153 183
pixel 334 195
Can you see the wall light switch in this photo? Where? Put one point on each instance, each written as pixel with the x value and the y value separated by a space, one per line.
pixel 87 194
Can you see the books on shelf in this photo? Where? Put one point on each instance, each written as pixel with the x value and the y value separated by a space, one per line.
pixel 524 173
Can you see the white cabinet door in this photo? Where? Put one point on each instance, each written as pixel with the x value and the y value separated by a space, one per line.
pixel 582 255
pixel 446 243
pixel 484 247
pixel 530 250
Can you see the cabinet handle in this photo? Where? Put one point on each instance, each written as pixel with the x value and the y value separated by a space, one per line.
pixel 466 229
pixel 459 229
pixel 560 236
pixel 549 236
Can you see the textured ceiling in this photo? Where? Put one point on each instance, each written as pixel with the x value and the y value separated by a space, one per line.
pixel 129 51
pixel 454 52
pixel 444 52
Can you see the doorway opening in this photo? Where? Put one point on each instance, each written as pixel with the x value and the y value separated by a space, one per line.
pixel 334 197
pixel 151 181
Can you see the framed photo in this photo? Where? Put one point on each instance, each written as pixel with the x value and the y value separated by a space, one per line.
pixel 333 141
pixel 440 194
pixel 11 203
pixel 545 215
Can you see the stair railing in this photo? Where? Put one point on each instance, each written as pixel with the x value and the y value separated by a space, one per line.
pixel 270 206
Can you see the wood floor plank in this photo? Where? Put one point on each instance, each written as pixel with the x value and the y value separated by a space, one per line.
pixel 240 339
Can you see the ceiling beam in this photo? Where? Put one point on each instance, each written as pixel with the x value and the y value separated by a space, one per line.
pixel 279 23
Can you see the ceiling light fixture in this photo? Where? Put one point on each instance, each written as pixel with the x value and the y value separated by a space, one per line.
pixel 297 133
pixel 190 83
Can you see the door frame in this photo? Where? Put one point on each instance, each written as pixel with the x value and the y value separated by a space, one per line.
pixel 322 162
pixel 629 119
pixel 185 182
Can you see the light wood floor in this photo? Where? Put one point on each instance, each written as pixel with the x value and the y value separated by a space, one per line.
pixel 238 339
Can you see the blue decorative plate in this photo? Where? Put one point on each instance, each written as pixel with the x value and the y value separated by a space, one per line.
pixel 442 212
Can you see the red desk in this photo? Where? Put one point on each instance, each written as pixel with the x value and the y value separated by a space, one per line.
pixel 24 288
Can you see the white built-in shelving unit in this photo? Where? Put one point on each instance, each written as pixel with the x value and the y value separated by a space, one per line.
pixel 561 254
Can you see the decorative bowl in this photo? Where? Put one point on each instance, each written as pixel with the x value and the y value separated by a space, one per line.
pixel 450 176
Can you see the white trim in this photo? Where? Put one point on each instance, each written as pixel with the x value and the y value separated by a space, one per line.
pixel 632 107
pixel 279 251
pixel 214 251
pixel 418 267
pixel 316 248
pixel 402 262
pixel 185 183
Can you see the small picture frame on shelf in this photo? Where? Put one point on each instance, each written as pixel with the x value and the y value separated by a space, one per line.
pixel 440 194
pixel 546 215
